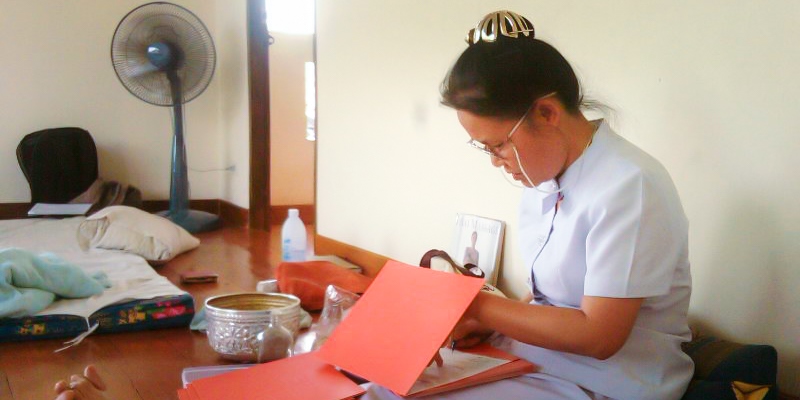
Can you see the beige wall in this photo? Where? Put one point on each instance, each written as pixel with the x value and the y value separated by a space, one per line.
pixel 234 101
pixel 707 87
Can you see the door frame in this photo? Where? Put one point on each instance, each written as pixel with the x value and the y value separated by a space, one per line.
pixel 258 73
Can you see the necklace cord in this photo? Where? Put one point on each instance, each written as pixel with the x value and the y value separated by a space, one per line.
pixel 525 174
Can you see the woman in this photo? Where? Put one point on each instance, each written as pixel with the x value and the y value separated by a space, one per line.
pixel 601 229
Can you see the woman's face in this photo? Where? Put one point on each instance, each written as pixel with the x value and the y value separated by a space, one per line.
pixel 541 146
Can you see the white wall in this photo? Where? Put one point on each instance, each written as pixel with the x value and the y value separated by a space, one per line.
pixel 709 88
pixel 234 101
pixel 56 71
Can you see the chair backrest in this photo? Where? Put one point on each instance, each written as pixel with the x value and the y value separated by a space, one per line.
pixel 59 163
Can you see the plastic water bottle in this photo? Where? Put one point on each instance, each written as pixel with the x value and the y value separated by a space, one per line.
pixel 293 237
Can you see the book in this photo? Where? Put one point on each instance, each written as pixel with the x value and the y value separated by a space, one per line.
pixel 479 240
pixel 465 368
pixel 48 209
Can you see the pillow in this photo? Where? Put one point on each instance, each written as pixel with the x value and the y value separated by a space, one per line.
pixel 155 238
pixel 308 280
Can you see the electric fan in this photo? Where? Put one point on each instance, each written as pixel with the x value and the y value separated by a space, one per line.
pixel 163 54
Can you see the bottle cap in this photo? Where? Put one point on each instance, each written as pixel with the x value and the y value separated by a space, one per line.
pixel 293 212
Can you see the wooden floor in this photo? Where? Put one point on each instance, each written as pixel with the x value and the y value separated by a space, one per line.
pixel 147 365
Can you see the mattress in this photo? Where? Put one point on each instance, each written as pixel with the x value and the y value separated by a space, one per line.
pixel 138 299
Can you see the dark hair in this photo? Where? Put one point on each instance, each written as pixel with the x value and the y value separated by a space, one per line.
pixel 502 78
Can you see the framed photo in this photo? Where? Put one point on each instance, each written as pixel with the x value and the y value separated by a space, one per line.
pixel 479 240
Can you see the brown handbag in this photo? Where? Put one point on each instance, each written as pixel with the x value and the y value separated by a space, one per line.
pixel 468 269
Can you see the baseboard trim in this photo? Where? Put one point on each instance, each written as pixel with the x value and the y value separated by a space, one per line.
pixel 369 261
pixel 14 210
pixel 233 215
pixel 230 214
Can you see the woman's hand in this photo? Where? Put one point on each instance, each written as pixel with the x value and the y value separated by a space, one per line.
pixel 469 332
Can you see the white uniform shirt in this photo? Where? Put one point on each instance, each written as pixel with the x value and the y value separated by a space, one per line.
pixel 619 231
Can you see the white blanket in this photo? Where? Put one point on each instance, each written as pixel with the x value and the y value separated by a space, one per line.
pixel 130 275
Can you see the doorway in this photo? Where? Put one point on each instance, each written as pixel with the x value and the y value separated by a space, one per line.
pixel 292 107
pixel 282 98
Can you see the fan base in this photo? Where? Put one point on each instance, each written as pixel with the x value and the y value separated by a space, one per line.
pixel 193 221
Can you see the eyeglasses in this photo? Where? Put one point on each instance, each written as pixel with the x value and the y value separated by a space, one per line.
pixel 494 151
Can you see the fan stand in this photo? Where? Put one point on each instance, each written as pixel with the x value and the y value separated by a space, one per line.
pixel 193 221
pixel 161 40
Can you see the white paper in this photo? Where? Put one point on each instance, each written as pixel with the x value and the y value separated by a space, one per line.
pixel 59 209
pixel 457 365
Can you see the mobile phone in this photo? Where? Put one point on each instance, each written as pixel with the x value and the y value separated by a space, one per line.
pixel 199 277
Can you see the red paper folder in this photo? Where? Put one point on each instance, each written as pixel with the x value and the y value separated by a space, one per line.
pixel 399 323
pixel 302 377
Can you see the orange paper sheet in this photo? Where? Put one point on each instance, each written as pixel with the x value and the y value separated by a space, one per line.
pixel 401 321
pixel 301 377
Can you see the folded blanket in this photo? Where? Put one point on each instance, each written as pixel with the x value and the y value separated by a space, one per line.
pixel 30 282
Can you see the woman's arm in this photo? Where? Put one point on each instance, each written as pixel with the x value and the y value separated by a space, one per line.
pixel 598 329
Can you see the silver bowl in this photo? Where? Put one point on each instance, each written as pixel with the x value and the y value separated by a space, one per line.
pixel 235 320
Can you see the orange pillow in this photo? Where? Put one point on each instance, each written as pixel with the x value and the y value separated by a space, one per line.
pixel 308 280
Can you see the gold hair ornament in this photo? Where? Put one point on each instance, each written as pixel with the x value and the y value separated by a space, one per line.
pixel 504 23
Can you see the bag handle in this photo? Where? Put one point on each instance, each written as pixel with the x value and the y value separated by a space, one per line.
pixel 466 270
